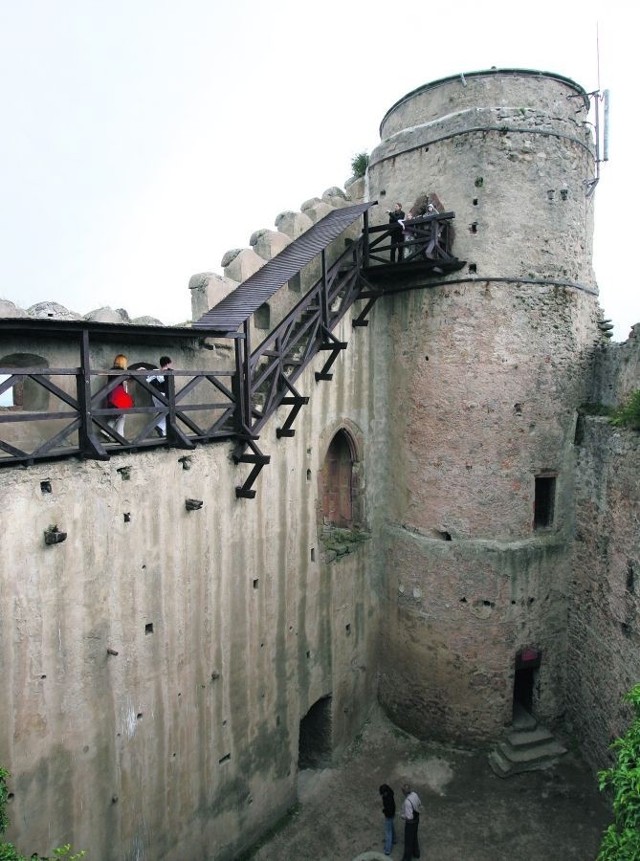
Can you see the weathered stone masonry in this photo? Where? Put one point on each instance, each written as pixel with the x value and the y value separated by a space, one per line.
pixel 159 664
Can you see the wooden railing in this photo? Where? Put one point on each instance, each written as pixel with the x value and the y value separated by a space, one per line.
pixel 210 405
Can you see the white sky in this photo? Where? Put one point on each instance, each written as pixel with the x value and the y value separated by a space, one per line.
pixel 141 139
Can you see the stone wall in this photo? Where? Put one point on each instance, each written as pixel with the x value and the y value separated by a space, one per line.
pixel 604 622
pixel 157 664
pixel 486 371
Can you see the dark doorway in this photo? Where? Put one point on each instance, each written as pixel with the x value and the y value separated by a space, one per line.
pixel 527 665
pixel 314 746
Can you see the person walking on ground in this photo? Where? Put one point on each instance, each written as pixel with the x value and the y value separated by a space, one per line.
pixel 389 811
pixel 396 232
pixel 411 815
pixel 161 383
pixel 118 398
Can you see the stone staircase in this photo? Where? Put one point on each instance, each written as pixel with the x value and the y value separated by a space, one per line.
pixel 526 747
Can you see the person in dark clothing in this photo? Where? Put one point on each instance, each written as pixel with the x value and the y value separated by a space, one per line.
pixel 397 236
pixel 389 811
pixel 160 382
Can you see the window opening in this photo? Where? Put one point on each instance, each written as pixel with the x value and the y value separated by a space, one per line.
pixel 544 504
pixel 262 317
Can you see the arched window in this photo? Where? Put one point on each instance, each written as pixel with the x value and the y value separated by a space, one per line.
pixel 337 481
pixel 25 394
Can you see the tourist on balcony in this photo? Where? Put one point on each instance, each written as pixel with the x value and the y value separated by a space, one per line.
pixel 119 397
pixel 389 811
pixel 396 232
pixel 161 383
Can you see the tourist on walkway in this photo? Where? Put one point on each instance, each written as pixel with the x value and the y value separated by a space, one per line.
pixel 161 383
pixel 396 232
pixel 118 398
pixel 389 811
pixel 411 815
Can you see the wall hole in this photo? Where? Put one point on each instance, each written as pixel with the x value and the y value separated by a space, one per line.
pixel 551 194
pixel 224 758
pixel 446 536
pixel 45 486
pixel 463 600
pixel 473 268
pixel 127 517
pixel 479 182
pixel 139 716
pixel 313 554
pixel 473 227
pixel 148 628
pixel 475 201
pixel 426 358
pixel 564 193
pixel 348 629
pixel 308 475
pixel 517 408
pixel 631 584
pixel 255 584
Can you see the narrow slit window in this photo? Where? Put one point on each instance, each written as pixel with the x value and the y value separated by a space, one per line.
pixel 545 499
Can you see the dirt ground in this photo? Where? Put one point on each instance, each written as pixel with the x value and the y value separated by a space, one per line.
pixel 469 814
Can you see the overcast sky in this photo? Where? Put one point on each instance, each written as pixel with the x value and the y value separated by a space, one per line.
pixel 144 138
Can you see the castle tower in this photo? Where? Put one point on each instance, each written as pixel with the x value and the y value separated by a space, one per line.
pixel 485 369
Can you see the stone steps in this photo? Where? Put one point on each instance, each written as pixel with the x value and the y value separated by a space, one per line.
pixel 526 747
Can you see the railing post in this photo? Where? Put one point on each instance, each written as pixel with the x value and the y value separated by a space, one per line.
pixel 365 234
pixel 324 298
pixel 87 441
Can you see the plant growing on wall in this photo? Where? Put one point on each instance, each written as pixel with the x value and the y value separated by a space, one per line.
pixel 628 415
pixel 621 840
pixel 359 164
pixel 8 851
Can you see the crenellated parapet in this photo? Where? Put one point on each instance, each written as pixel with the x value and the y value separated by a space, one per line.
pixel 238 264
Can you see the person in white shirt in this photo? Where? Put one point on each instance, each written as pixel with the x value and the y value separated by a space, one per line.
pixel 411 814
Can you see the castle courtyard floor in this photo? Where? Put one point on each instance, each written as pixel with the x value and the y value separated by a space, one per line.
pixel 469 814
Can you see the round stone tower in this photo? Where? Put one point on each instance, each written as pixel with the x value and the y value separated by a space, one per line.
pixel 483 372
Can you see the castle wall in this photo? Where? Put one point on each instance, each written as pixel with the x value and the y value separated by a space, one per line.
pixel 229 623
pixel 488 370
pixel 604 623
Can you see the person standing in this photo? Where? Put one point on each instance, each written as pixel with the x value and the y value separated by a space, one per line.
pixel 397 236
pixel 411 815
pixel 389 811
pixel 161 383
pixel 118 398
